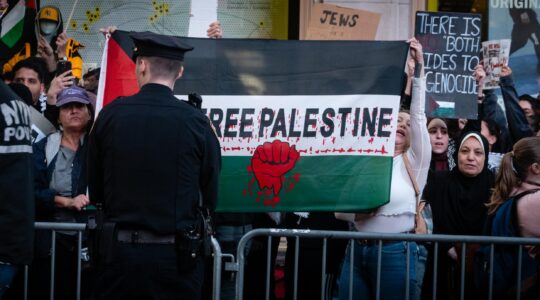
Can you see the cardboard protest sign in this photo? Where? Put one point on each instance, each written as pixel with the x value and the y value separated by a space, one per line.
pixel 495 55
pixel 451 43
pixel 331 22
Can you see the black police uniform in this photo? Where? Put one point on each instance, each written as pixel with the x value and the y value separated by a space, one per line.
pixel 151 158
pixel 16 183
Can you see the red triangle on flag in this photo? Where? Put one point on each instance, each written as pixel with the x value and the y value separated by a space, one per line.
pixel 31 4
pixel 120 78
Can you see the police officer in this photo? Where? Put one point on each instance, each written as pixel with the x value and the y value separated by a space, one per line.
pixel 16 187
pixel 153 162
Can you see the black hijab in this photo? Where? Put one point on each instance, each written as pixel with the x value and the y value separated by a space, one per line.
pixel 458 201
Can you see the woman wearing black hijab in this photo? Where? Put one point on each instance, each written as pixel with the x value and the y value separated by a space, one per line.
pixel 458 200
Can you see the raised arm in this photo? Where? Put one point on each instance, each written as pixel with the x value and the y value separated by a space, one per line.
pixel 420 147
pixel 488 109
pixel 517 121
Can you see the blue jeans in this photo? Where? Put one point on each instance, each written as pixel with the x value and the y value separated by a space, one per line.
pixel 393 271
pixel 7 272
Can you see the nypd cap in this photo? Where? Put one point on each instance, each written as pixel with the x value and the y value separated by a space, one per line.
pixel 153 44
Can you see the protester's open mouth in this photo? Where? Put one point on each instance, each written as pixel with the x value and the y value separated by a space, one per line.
pixel 401 132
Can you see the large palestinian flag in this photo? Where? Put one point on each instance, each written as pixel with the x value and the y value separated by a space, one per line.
pixel 303 125
pixel 17 36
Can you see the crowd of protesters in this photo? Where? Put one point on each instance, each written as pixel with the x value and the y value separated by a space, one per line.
pixel 474 167
pixel 465 173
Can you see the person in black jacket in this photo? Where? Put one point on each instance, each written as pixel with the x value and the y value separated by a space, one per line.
pixel 16 187
pixel 154 162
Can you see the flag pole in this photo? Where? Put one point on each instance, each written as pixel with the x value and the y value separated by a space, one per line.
pixel 102 77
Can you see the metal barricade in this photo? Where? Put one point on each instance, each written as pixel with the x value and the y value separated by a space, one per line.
pixel 80 227
pixel 54 227
pixel 379 237
pixel 217 259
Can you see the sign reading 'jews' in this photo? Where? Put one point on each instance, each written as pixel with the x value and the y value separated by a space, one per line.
pixel 331 22
pixel 452 46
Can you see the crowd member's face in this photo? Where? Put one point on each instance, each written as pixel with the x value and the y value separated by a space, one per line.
pixel 402 134
pixel 4 5
pixel 438 137
pixel 48 27
pixel 462 123
pixel 74 116
pixel 30 79
pixel 471 157
pixel 526 107
pixel 91 83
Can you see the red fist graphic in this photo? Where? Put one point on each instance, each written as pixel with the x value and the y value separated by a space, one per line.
pixel 271 161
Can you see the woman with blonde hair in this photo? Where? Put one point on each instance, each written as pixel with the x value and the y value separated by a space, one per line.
pixel 412 147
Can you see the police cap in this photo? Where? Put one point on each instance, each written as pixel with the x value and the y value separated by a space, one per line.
pixel 153 44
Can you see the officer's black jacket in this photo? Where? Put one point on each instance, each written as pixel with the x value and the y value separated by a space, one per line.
pixel 16 180
pixel 148 153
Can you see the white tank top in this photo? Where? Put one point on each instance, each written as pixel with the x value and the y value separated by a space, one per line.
pixel 397 215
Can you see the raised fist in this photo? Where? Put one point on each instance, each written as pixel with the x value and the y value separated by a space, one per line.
pixel 271 161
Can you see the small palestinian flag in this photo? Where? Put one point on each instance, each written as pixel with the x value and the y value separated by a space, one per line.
pixel 17 29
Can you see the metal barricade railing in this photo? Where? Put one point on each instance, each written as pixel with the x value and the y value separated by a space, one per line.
pixel 379 237
pixel 54 227
pixel 238 265
pixel 218 257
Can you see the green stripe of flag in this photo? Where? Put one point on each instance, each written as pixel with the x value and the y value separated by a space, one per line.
pixel 13 25
pixel 322 183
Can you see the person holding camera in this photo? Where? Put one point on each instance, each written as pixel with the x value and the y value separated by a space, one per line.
pixel 63 79
pixel 54 45
pixel 154 166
